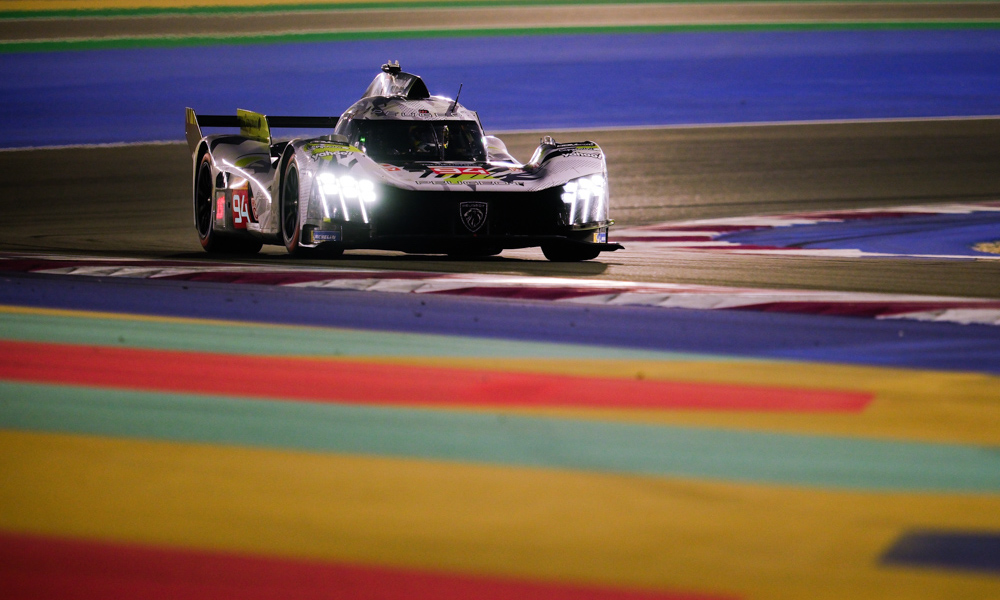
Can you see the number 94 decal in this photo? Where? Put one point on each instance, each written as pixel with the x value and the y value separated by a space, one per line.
pixel 242 210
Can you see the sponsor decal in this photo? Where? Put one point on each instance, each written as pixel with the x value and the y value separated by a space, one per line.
pixel 473 214
pixel 325 236
pixel 419 114
pixel 253 125
pixel 601 236
pixel 241 204
pixel 329 150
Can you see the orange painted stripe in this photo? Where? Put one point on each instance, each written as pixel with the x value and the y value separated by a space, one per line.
pixel 353 381
pixel 42 567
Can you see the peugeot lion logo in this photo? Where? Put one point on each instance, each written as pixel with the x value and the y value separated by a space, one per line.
pixel 473 215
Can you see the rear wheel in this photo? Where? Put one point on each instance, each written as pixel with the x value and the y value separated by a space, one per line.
pixel 204 216
pixel 568 253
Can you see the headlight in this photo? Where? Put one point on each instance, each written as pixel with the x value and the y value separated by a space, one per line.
pixel 587 198
pixel 346 186
pixel 345 196
pixel 366 189
pixel 329 184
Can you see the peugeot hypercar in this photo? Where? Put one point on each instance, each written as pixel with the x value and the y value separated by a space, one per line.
pixel 402 170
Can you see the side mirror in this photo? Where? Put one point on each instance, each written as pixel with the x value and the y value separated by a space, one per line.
pixel 496 150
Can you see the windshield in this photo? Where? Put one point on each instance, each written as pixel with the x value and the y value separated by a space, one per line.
pixel 420 140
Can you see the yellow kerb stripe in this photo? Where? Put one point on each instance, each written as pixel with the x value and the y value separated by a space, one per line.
pixel 748 540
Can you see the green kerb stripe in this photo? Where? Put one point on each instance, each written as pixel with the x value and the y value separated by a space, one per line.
pixel 336 36
pixel 505 439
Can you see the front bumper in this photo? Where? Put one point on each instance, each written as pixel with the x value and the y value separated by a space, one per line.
pixel 444 222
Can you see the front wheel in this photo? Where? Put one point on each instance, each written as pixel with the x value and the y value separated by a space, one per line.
pixel 291 224
pixel 292 231
pixel 568 253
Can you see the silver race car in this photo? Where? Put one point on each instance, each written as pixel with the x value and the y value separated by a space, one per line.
pixel 402 170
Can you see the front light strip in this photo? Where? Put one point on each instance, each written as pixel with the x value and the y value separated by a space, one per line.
pixel 584 190
pixel 345 188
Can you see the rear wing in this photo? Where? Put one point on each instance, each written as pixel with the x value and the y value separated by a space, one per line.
pixel 252 125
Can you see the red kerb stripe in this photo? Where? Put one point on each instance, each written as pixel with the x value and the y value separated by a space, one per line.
pixel 356 381
pixel 37 567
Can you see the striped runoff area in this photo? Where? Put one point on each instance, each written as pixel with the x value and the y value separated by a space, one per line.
pixel 151 447
pixel 543 289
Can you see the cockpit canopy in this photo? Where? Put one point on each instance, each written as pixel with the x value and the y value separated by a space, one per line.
pixel 397 120
pixel 394 141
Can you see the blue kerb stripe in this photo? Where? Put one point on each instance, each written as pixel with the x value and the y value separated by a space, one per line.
pixel 945 549
pixel 942 346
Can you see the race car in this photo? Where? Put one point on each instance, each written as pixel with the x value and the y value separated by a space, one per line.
pixel 402 170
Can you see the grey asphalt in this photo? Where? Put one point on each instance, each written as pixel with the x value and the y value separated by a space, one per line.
pixel 135 201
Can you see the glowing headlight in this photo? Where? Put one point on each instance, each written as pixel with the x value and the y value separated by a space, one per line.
pixel 586 193
pixel 346 186
pixel 366 190
pixel 349 186
pixel 328 184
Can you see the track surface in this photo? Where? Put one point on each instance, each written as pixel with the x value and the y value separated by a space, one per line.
pixel 133 201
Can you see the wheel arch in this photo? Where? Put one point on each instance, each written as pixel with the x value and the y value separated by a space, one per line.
pixel 200 152
pixel 279 177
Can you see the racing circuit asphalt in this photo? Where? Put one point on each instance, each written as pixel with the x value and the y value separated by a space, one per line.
pixel 134 201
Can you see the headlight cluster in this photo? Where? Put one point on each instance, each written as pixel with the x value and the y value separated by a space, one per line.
pixel 587 199
pixel 346 186
pixel 345 196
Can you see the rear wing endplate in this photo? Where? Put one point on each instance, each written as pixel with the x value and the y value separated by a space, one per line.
pixel 252 125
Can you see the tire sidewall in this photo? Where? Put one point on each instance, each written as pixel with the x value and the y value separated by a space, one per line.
pixel 208 237
pixel 291 240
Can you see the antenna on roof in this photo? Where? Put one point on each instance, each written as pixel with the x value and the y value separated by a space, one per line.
pixel 454 104
pixel 391 67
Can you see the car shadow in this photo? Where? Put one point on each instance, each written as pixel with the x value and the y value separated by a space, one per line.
pixel 508 265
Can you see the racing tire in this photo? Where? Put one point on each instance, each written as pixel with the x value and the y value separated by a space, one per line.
pixel 291 224
pixel 566 253
pixel 211 240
